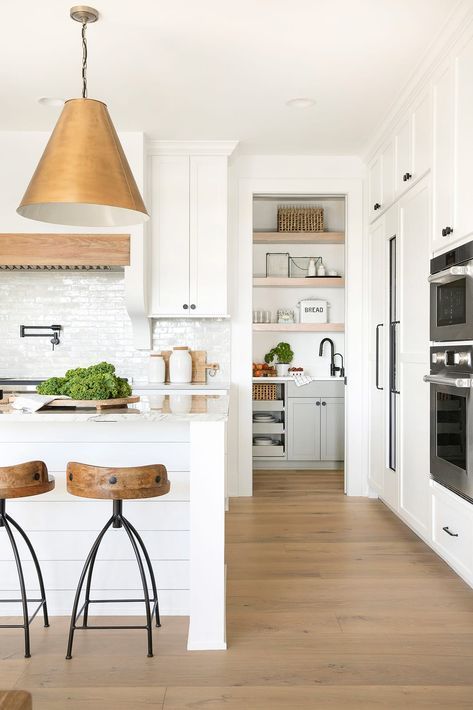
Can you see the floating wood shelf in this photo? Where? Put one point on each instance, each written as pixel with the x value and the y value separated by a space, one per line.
pixel 272 281
pixel 300 327
pixel 298 237
pixel 64 249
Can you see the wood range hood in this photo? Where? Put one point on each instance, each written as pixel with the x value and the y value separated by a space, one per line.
pixel 64 251
pixel 24 253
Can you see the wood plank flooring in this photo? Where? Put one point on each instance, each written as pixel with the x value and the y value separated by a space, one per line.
pixel 332 603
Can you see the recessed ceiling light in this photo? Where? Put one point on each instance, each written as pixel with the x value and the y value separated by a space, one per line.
pixel 50 101
pixel 301 102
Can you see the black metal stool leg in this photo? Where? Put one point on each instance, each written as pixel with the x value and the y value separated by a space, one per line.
pixel 36 564
pixel 150 569
pixel 144 583
pixel 88 561
pixel 24 600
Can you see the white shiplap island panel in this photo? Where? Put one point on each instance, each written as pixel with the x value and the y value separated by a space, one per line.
pixel 184 530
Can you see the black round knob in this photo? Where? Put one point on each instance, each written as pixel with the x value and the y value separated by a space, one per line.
pixel 318 404
pixel 376 206
pixel 444 234
pixel 193 306
pixel 404 177
pixel 448 230
pixel 185 306
pixel 408 176
pixel 112 480
pixel 324 404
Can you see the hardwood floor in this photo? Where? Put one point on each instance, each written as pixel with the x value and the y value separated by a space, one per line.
pixel 332 603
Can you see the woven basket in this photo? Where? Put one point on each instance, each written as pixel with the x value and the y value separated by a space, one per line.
pixel 264 391
pixel 292 218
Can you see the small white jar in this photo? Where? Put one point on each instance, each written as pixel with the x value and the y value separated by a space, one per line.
pixel 157 368
pixel 180 366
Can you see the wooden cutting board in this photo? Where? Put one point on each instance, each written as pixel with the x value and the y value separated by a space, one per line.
pixel 93 403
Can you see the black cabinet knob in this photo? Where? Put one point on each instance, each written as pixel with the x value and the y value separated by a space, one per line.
pixel 408 176
pixel 376 206
pixel 324 404
pixel 193 306
pixel 185 306
pixel 318 404
pixel 446 231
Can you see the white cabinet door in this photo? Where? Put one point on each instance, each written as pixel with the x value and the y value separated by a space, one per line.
pixel 378 327
pixel 387 174
pixel 413 356
pixel 403 155
pixel 444 108
pixel 332 429
pixel 464 141
pixel 170 235
pixel 208 235
pixel 303 429
pixel 422 136
pixel 375 187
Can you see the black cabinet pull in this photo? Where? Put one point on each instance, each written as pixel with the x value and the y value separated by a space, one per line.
pixel 185 306
pixel 393 373
pixel 193 306
pixel 449 532
pixel 380 325
pixel 446 231
pixel 376 206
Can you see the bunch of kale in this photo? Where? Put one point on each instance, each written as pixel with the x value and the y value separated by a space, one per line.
pixel 94 382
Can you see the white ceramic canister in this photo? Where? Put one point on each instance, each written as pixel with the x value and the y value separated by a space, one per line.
pixel 180 366
pixel 157 368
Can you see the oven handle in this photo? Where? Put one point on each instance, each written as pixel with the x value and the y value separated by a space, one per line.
pixel 459 382
pixel 447 274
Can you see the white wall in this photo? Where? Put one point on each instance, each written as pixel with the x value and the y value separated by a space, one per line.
pixel 309 175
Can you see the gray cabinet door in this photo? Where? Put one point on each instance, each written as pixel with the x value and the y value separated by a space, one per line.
pixel 332 428
pixel 303 428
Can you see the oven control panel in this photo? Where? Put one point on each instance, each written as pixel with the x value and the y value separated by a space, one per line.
pixel 451 358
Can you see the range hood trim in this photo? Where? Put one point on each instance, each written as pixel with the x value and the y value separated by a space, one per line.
pixel 73 250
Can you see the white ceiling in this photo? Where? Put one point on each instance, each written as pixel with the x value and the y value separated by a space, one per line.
pixel 215 69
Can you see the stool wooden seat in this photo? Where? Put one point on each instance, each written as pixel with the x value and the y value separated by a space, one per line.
pixel 19 481
pixel 117 484
pixel 25 479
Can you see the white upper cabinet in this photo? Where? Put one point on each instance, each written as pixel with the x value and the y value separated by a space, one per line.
pixel 443 173
pixel 375 187
pixel 208 235
pixel 403 155
pixel 188 234
pixel 387 174
pixel 170 242
pixel 463 186
pixel 414 144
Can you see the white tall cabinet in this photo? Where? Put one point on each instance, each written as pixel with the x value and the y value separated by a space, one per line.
pixel 189 224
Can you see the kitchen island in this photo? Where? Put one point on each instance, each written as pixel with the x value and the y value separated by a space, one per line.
pixel 184 530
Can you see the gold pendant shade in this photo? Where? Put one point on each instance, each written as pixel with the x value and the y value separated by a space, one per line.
pixel 83 177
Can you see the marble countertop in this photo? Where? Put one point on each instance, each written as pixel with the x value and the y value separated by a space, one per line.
pixel 178 407
pixel 318 378
pixel 191 387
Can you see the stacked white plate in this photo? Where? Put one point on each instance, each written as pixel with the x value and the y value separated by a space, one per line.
pixel 263 441
pixel 264 418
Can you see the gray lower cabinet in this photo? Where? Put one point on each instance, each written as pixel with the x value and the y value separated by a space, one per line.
pixel 332 429
pixel 316 428
pixel 303 429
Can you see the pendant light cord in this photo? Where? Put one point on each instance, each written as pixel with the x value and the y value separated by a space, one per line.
pixel 84 60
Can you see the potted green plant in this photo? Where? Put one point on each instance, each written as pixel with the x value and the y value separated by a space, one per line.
pixel 284 356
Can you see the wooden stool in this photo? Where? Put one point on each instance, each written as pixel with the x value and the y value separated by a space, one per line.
pixel 24 479
pixel 117 484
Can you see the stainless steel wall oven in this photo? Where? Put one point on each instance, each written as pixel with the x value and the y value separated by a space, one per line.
pixel 451 295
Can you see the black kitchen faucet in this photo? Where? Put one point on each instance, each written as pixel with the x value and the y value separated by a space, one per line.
pixel 333 368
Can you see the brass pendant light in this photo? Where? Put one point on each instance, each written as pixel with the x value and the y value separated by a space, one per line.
pixel 83 177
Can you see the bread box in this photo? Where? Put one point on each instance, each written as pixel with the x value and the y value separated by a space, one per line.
pixel 313 311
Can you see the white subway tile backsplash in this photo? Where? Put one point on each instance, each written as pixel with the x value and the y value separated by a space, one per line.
pixel 91 308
